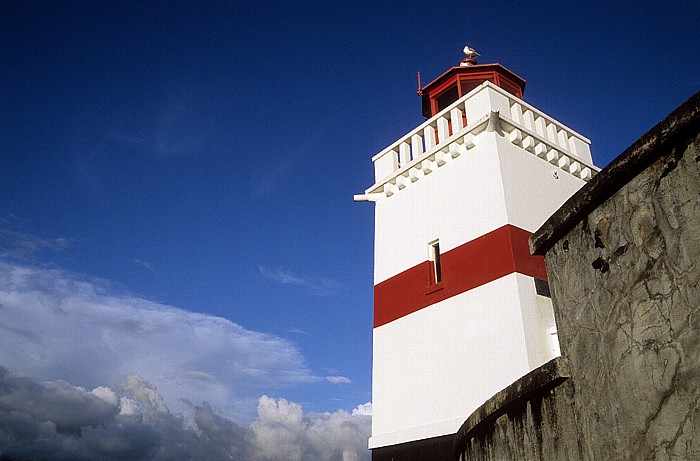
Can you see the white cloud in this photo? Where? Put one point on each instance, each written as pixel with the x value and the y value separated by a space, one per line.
pixel 106 394
pixel 338 379
pixel 363 410
pixel 56 325
pixel 283 432
pixel 56 421
pixel 58 328
pixel 318 286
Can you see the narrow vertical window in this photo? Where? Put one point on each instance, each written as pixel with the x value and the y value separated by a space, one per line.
pixel 434 249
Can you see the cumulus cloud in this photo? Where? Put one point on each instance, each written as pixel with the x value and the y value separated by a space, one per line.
pixel 363 410
pixel 283 432
pixel 56 325
pixel 68 408
pixel 318 286
pixel 99 374
pixel 57 421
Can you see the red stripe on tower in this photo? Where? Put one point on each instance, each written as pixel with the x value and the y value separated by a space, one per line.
pixel 477 262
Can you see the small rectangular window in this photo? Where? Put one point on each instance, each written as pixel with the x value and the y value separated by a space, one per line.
pixel 434 255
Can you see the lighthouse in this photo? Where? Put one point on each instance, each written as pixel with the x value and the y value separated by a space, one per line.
pixel 461 308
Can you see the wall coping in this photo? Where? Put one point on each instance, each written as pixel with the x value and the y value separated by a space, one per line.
pixel 682 122
pixel 535 383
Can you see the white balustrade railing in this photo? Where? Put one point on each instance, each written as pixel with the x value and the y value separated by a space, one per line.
pixel 545 127
pixel 523 124
pixel 425 138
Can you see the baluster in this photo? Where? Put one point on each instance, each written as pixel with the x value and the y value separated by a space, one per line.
pixel 429 137
pixel 552 133
pixel 443 129
pixel 516 113
pixel 404 154
pixel 540 127
pixel 563 139
pixel 529 120
pixel 456 117
pixel 416 146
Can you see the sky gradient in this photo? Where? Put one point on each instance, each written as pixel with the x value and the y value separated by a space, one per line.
pixel 177 187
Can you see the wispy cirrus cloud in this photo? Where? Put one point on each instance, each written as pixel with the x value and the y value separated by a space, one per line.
pixel 148 265
pixel 318 286
pixel 338 380
pixel 23 245
pixel 179 124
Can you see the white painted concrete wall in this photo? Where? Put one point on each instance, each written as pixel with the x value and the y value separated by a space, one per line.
pixel 458 202
pixel 533 187
pixel 434 367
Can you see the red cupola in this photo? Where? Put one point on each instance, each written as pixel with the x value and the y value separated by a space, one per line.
pixel 460 80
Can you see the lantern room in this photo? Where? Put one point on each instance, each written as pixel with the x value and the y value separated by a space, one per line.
pixel 458 81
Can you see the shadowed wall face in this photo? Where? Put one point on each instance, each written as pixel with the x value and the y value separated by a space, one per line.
pixel 627 304
pixel 623 260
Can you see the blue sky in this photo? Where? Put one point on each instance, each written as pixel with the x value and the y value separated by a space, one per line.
pixel 177 186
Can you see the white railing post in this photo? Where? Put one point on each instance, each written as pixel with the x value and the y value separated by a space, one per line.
pixel 416 146
pixel 429 137
pixel 516 113
pixel 552 134
pixel 540 127
pixel 529 120
pixel 579 148
pixel 443 129
pixel 456 118
pixel 385 165
pixel 404 154
pixel 563 138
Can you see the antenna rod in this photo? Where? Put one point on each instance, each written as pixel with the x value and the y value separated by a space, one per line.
pixel 420 90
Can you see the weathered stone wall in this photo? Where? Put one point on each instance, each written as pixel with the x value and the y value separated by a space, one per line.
pixel 623 259
pixel 519 422
pixel 627 305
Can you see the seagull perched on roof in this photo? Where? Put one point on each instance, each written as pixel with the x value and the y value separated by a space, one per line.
pixel 470 52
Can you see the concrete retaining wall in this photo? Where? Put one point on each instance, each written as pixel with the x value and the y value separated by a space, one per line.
pixel 623 258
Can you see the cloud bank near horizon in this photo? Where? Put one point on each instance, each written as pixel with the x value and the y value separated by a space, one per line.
pixel 57 325
pixel 62 334
pixel 54 420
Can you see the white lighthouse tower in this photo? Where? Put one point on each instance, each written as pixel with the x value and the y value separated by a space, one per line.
pixel 461 308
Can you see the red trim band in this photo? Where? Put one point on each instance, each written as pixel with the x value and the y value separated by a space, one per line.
pixel 475 263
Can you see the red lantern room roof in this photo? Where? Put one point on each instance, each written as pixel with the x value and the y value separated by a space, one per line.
pixel 458 81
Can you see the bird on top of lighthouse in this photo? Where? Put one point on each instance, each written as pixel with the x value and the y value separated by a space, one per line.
pixel 470 52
